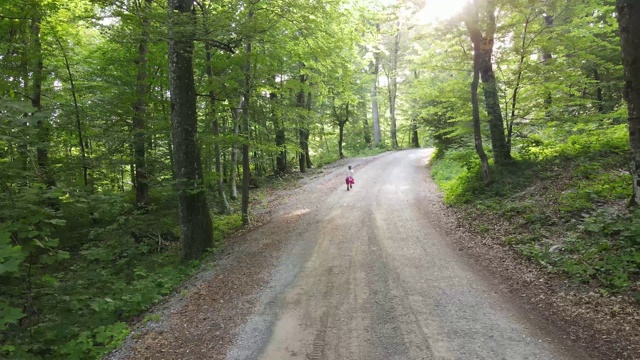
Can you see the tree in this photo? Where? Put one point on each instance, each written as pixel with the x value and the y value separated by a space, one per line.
pixel 375 69
pixel 139 108
pixel 195 220
pixel 629 19
pixel 479 56
pixel 483 44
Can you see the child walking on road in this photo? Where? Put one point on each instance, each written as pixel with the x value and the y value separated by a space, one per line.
pixel 349 179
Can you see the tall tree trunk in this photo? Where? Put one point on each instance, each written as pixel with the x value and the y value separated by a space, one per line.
pixel 246 165
pixel 501 152
pixel 516 88
pixel 365 124
pixel 139 110
pixel 280 139
pixel 414 134
pixel 77 114
pixel 215 124
pixel 44 136
pixel 476 38
pixel 341 123
pixel 629 21
pixel 302 120
pixel 222 196
pixel 414 119
pixel 165 114
pixel 281 159
pixel 235 152
pixel 547 56
pixel 375 116
pixel 195 219
pixel 307 156
pixel 393 87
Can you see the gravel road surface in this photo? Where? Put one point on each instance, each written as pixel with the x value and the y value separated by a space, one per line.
pixel 366 274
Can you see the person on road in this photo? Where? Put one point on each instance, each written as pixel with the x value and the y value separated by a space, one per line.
pixel 349 179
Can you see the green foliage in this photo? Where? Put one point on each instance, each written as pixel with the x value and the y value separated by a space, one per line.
pixel 133 261
pixel 573 189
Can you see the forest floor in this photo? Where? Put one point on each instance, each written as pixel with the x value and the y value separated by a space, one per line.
pixel 384 271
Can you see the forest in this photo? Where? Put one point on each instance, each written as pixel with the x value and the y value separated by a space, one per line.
pixel 135 135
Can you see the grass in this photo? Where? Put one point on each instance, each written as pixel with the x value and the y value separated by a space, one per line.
pixel 567 194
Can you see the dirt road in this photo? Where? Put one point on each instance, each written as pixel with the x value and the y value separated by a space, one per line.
pixel 367 275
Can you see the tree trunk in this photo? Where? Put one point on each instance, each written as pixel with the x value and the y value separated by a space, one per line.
pixel 501 152
pixel 77 114
pixel 547 56
pixel 307 156
pixel 246 164
pixel 303 135
pixel 281 159
pixel 215 124
pixel 629 21
pixel 476 38
pixel 44 136
pixel 222 196
pixel 374 100
pixel 235 153
pixel 341 139
pixel 365 124
pixel 195 220
pixel 414 134
pixel 514 97
pixel 341 124
pixel 139 110
pixel 393 88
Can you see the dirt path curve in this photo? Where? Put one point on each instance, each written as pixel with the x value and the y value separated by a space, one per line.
pixel 380 282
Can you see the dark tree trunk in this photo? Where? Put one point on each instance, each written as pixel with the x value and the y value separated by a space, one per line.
pixel 302 162
pixel 139 110
pixel 501 153
pixel 83 154
pixel 477 39
pixel 44 136
pixel 341 123
pixel 483 47
pixel 629 20
pixel 195 219
pixel 306 135
pixel 303 133
pixel 341 140
pixel 281 158
pixel 414 134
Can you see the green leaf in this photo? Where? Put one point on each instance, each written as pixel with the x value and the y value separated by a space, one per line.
pixel 10 256
pixel 9 315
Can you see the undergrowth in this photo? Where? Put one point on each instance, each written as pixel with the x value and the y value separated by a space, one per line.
pixel 118 263
pixel 561 203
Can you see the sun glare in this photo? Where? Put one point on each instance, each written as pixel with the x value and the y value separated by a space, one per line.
pixel 440 10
